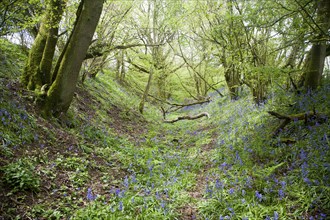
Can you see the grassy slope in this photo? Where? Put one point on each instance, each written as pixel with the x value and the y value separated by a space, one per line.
pixel 105 161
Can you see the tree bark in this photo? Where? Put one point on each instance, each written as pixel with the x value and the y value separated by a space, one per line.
pixel 188 117
pixel 307 116
pixel 146 91
pixel 37 71
pixel 61 92
pixel 315 63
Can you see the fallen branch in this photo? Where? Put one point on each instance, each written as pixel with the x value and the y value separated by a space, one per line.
pixel 308 116
pixel 188 117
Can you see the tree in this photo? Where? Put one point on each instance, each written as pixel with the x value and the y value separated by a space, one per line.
pixel 57 87
pixel 317 54
pixel 65 76
pixel 37 71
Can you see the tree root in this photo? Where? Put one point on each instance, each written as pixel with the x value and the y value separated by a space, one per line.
pixel 188 117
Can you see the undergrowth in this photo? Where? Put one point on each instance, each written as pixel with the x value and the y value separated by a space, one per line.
pixel 106 161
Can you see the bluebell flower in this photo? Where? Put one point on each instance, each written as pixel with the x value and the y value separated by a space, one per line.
pixel 306 180
pixel 281 194
pixel 249 181
pixel 276 216
pixel 303 155
pixel 218 184
pixel 117 192
pixel 209 191
pixel 238 158
pixel 231 191
pixel 90 196
pixel 162 204
pixel 120 208
pixel 126 183
pixel 323 216
pixel 259 196
pixel 304 170
pixel 133 178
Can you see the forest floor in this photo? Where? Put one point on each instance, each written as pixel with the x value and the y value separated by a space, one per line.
pixel 104 160
pixel 67 164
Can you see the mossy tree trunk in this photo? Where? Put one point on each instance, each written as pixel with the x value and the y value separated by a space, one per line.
pixel 66 74
pixel 37 71
pixel 232 78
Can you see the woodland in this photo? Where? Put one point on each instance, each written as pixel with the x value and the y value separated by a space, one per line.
pixel 165 109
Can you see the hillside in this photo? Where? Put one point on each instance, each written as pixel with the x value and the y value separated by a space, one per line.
pixel 104 160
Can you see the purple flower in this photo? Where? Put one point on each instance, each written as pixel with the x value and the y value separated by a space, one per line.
pixel 238 158
pixel 134 178
pixel 120 208
pixel 90 196
pixel 231 191
pixel 126 183
pixel 281 194
pixel 275 215
pixel 117 192
pixel 303 154
pixel 259 196
pixel 162 204
pixel 218 184
pixel 209 191
pixel 323 216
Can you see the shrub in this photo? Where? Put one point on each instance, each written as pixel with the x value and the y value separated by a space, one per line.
pixel 20 175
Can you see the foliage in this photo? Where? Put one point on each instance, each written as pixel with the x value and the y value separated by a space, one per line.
pixel 11 58
pixel 104 160
pixel 21 175
pixel 18 15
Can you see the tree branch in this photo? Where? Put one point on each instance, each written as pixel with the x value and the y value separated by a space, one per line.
pixel 98 52
pixel 307 116
pixel 188 117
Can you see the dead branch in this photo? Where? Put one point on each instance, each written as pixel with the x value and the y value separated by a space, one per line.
pixel 307 116
pixel 188 117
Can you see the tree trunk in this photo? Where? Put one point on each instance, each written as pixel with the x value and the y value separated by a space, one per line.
pixel 49 51
pixel 29 79
pixel 61 92
pixel 146 91
pixel 37 71
pixel 232 81
pixel 314 66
